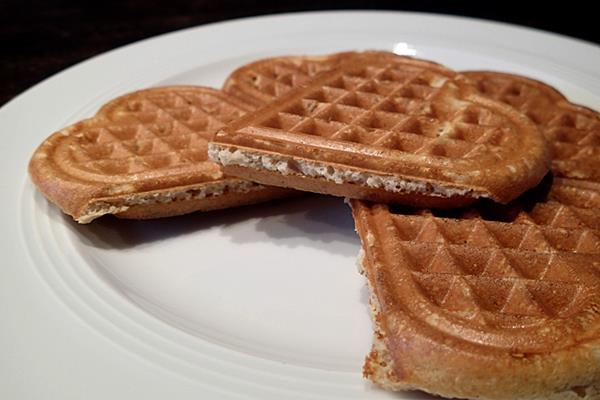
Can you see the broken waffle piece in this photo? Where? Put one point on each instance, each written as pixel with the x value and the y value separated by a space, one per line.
pixel 488 301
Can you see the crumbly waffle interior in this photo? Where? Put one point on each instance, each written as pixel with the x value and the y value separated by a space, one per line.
pixel 150 132
pixel 573 132
pixel 505 266
pixel 389 107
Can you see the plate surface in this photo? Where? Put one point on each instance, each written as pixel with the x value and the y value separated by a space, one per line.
pixel 255 302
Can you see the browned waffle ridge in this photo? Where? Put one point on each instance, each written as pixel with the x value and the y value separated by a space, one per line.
pixel 573 131
pixel 487 302
pixel 381 127
pixel 259 82
pixel 143 155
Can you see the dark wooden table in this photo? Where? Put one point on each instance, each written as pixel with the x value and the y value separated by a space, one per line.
pixel 40 38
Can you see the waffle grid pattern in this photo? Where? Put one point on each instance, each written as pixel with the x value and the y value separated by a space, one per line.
pixel 390 107
pixel 543 264
pixel 273 80
pixel 151 132
pixel 573 132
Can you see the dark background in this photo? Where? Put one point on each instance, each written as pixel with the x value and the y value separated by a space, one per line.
pixel 40 38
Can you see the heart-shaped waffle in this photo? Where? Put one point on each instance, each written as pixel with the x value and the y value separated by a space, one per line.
pixel 144 155
pixel 380 127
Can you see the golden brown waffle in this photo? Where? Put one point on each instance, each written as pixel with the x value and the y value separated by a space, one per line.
pixel 144 156
pixel 384 128
pixel 489 301
pixel 572 130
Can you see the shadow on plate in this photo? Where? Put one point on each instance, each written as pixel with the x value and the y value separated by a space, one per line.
pixel 314 218
pixel 405 395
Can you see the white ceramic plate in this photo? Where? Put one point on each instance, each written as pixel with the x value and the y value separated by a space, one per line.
pixel 258 302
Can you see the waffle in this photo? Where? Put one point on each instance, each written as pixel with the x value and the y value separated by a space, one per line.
pixel 487 301
pixel 144 156
pixel 572 130
pixel 386 128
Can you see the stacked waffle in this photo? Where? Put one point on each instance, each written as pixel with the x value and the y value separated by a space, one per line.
pixel 476 196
